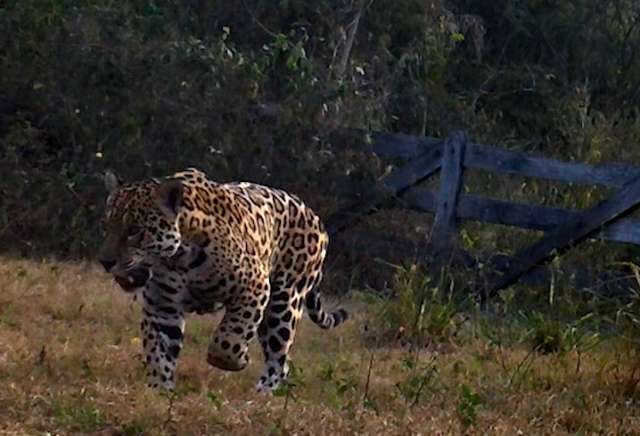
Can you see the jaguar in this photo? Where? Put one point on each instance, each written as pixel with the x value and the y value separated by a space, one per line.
pixel 187 244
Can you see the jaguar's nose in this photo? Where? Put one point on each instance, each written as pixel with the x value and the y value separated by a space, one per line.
pixel 107 264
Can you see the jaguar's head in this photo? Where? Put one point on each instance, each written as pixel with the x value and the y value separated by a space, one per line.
pixel 141 226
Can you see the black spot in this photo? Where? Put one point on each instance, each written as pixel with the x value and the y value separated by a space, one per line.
pixel 284 333
pixel 225 345
pixel 174 351
pixel 287 316
pixel 171 331
pixel 199 260
pixel 280 296
pixel 163 299
pixel 288 261
pixel 278 205
pixel 236 349
pixel 271 371
pixel 246 315
pixel 314 281
pixel 313 302
pixel 273 322
pixel 298 241
pixel 301 284
pixel 275 344
pixel 277 308
pixel 293 210
pixel 168 310
pixel 283 241
pixel 300 263
pixel 340 316
pixel 238 330
pixel 168 289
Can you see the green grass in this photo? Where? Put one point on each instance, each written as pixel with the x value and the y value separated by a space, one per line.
pixel 70 364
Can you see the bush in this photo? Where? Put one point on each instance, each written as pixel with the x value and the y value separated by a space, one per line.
pixel 251 92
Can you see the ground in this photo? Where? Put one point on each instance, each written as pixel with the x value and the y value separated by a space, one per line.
pixel 69 364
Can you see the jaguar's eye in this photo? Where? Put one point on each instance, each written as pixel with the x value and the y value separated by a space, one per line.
pixel 133 231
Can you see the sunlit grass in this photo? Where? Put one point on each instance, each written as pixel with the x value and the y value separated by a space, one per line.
pixel 70 364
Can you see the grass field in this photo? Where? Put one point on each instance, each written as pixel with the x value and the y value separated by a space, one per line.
pixel 70 364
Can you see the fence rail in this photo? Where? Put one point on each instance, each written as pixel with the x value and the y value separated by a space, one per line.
pixel 495 159
pixel 525 216
pixel 563 228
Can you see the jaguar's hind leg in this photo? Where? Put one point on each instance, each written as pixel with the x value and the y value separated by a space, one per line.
pixel 278 328
pixel 229 348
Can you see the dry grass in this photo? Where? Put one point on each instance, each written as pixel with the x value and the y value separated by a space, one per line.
pixel 69 364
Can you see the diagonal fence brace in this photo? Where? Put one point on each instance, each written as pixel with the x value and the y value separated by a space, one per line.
pixel 414 172
pixel 569 233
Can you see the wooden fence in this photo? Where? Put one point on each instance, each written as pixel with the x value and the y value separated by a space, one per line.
pixel 563 228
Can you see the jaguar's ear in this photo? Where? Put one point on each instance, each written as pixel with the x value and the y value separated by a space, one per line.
pixel 169 197
pixel 111 181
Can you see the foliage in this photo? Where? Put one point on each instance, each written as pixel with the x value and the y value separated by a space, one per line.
pixel 467 405
pixel 419 311
pixel 419 380
pixel 252 91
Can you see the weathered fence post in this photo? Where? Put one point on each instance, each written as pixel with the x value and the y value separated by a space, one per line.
pixel 416 171
pixel 444 231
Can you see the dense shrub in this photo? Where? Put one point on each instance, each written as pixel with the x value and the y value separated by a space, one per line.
pixel 253 90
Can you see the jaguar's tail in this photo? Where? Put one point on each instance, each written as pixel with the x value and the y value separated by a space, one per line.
pixel 318 314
